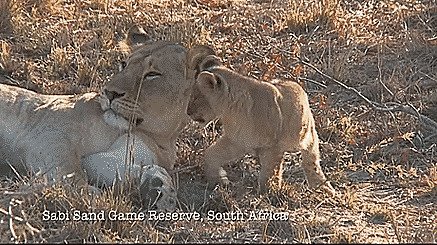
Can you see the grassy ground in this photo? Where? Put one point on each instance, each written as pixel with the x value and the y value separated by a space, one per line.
pixel 384 164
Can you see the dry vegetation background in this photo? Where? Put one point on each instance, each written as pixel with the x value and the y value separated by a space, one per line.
pixel 383 163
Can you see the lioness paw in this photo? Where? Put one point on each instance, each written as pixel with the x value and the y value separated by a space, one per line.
pixel 157 189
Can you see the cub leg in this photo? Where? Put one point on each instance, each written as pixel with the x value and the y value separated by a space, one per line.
pixel 269 160
pixel 311 163
pixel 222 152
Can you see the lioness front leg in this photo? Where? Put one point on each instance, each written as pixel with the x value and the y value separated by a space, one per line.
pixel 222 152
pixel 165 151
pixel 269 160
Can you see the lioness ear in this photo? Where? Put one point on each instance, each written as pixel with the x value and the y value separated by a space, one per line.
pixel 196 55
pixel 136 36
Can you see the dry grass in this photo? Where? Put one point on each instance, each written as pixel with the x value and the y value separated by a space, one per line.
pixel 383 164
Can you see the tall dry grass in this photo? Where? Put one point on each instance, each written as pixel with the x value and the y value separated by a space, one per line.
pixel 383 164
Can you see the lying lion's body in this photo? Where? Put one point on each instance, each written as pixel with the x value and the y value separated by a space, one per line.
pixel 70 136
pixel 62 135
pixel 45 132
pixel 261 118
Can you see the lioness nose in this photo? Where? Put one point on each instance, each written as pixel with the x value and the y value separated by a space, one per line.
pixel 112 94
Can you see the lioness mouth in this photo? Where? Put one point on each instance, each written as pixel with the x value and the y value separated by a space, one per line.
pixel 121 119
pixel 200 120
pixel 137 121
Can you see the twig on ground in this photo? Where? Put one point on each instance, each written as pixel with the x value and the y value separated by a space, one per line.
pixel 386 107
pixel 13 217
pixel 395 227
pixel 3 211
pixel 184 169
pixel 313 81
pixel 11 223
pixel 380 74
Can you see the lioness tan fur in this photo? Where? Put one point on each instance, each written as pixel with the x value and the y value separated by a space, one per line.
pixel 264 119
pixel 152 89
pixel 51 133
pixel 68 136
pixel 149 96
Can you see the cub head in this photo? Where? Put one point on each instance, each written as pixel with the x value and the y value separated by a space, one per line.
pixel 214 90
pixel 151 89
pixel 201 58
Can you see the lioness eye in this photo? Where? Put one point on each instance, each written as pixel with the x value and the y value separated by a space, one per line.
pixel 152 75
pixel 121 65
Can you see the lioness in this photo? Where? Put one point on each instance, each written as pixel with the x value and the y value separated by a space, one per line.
pixel 52 133
pixel 64 136
pixel 261 118
pixel 152 89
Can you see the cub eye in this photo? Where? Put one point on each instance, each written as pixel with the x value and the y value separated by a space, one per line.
pixel 152 75
pixel 122 65
pixel 218 80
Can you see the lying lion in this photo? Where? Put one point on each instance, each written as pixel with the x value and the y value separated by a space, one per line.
pixel 63 136
pixel 264 119
pixel 86 136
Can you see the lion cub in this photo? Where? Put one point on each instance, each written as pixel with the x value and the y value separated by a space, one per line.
pixel 264 119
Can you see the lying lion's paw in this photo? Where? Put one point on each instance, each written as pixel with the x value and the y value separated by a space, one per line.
pixel 157 190
pixel 94 191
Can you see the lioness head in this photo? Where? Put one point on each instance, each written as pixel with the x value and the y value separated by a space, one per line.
pixel 151 89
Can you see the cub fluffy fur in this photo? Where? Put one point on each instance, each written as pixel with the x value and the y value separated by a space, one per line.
pixel 264 119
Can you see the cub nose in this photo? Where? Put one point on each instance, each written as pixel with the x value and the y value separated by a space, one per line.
pixel 111 95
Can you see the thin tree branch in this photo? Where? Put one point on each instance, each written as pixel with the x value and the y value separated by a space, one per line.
pixel 386 107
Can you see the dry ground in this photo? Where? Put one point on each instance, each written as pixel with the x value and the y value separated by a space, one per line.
pixel 383 163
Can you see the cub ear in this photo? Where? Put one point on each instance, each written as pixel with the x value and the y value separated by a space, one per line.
pixel 209 61
pixel 136 36
pixel 196 55
pixel 209 80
